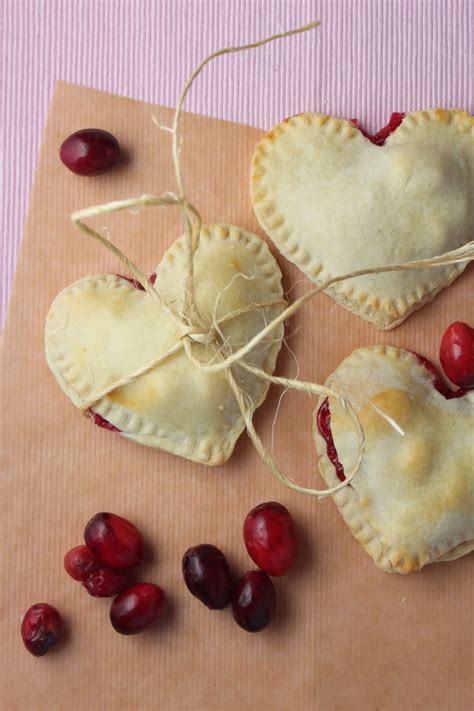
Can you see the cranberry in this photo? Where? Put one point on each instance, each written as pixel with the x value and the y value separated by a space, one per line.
pixel 41 628
pixel 105 582
pixel 80 563
pixel 254 601
pixel 207 575
pixel 114 541
pixel 136 608
pixel 438 382
pixel 90 151
pixel 136 283
pixel 381 136
pixel 270 538
pixel 456 354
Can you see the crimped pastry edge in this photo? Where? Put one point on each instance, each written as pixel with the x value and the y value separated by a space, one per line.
pixel 384 315
pixel 384 555
pixel 205 453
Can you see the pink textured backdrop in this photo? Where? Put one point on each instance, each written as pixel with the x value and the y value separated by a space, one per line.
pixel 369 58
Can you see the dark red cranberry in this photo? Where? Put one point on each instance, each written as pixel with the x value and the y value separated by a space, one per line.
pixel 90 151
pixel 207 575
pixel 381 136
pixel 254 601
pixel 114 541
pixel 456 354
pixel 136 608
pixel 41 628
pixel 80 563
pixel 324 414
pixel 105 582
pixel 270 538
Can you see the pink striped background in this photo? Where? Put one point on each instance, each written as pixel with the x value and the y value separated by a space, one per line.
pixel 369 58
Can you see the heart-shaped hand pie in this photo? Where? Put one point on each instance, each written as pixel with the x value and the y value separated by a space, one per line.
pixel 102 329
pixel 334 203
pixel 412 501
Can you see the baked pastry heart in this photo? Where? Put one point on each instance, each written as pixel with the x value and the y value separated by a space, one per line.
pixel 333 203
pixel 102 329
pixel 412 501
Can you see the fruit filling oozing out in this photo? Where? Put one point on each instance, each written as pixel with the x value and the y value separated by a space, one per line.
pixel 98 419
pixel 381 136
pixel 323 417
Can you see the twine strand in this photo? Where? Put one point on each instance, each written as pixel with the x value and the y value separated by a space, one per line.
pixel 191 325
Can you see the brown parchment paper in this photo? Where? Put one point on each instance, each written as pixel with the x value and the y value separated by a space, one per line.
pixel 346 636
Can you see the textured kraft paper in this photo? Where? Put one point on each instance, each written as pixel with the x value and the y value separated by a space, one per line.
pixel 346 636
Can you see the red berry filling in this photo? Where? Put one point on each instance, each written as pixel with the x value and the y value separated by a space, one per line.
pixel 270 538
pixel 102 422
pixel 323 420
pixel 98 419
pixel 381 136
pixel 378 138
pixel 323 417
pixel 136 608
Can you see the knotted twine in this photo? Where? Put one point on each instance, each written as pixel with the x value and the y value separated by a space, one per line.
pixel 192 327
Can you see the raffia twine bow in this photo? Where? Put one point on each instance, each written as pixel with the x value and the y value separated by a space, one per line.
pixel 189 321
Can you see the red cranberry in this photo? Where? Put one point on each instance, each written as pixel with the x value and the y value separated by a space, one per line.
pixel 207 575
pixel 136 608
pixel 41 628
pixel 456 354
pixel 270 538
pixel 114 541
pixel 254 601
pixel 105 582
pixel 90 151
pixel 80 563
